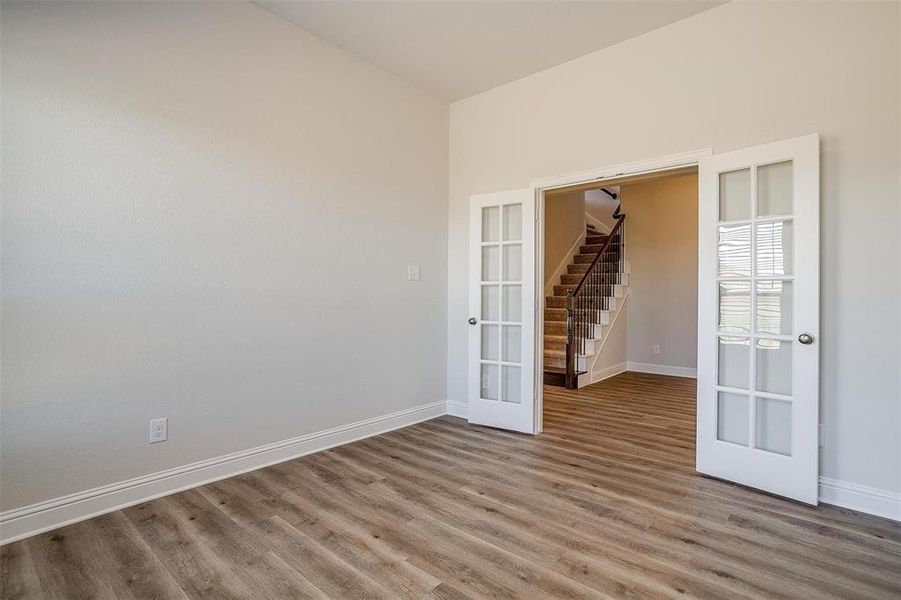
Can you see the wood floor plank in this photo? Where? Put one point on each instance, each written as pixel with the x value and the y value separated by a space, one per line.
pixel 18 576
pixel 62 559
pixel 605 503
pixel 126 562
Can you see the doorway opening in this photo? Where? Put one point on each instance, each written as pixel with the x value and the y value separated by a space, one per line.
pixel 620 278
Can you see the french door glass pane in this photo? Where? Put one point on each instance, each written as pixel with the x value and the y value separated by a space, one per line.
pixel 734 250
pixel 774 306
pixel 734 362
pixel 732 418
pixel 735 306
pixel 512 222
pixel 774 426
pixel 511 387
pixel 513 262
pixel 491 263
pixel 774 250
pixel 512 344
pixel 735 195
pixel 774 189
pixel 774 366
pixel 490 342
pixel 512 310
pixel 491 224
pixel 756 293
pixel 490 303
pixel 489 382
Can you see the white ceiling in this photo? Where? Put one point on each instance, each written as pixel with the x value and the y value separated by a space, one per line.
pixel 455 49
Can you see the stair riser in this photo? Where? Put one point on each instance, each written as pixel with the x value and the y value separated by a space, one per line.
pixel 596 331
pixel 588 259
pixel 610 291
pixel 555 302
pixel 555 314
pixel 582 268
pixel 559 327
pixel 560 363
pixel 593 249
pixel 575 278
pixel 558 315
pixel 596 240
pixel 592 344
pixel 555 363
pixel 554 344
pixel 554 328
pixel 555 379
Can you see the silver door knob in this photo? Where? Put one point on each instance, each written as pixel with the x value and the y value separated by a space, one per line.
pixel 472 321
pixel 805 338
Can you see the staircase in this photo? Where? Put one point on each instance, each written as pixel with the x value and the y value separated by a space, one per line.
pixel 603 280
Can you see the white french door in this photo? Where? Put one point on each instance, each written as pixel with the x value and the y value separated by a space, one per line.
pixel 758 317
pixel 502 310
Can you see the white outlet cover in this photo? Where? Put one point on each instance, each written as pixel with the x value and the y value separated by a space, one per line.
pixel 159 430
pixel 656 349
pixel 413 272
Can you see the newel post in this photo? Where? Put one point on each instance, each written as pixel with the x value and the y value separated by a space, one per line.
pixel 570 342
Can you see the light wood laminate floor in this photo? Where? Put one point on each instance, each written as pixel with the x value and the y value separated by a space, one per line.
pixel 604 504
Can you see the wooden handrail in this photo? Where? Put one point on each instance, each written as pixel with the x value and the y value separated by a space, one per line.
pixel 610 236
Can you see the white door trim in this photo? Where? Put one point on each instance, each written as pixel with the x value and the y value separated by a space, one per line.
pixel 539 187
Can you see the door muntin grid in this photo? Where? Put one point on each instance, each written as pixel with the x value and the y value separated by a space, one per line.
pixel 501 319
pixel 754 331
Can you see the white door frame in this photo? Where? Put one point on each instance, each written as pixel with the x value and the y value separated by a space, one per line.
pixel 539 187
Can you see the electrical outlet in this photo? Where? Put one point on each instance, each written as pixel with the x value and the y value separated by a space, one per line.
pixel 159 430
pixel 822 435
pixel 412 272
pixel 656 348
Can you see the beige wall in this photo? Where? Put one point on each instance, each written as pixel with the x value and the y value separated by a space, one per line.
pixel 564 222
pixel 207 215
pixel 662 250
pixel 741 74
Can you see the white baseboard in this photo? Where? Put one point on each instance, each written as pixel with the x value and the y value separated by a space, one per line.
pixel 607 372
pixel 862 498
pixel 662 369
pixel 30 520
pixel 458 409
